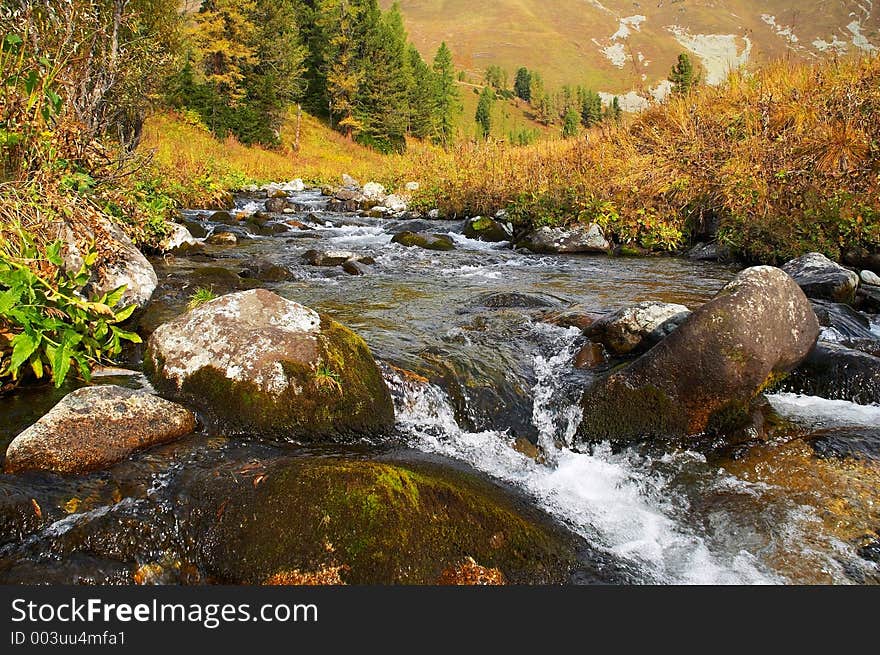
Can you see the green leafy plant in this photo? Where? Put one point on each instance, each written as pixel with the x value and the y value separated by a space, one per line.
pixel 326 379
pixel 47 325
pixel 199 297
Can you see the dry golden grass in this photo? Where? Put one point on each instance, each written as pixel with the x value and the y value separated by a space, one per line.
pixel 786 158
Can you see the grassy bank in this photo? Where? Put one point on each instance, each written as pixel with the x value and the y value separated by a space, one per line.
pixel 778 162
pixel 198 170
pixel 783 161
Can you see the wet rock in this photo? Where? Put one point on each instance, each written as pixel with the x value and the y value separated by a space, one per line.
pixel 516 300
pixel 343 206
pixel 276 205
pixel 575 316
pixel 590 356
pixel 95 427
pixel 709 252
pixel 822 278
pixel 870 278
pixel 411 226
pixel 637 328
pixel 382 522
pixel 334 257
pixel 257 363
pixel 276 194
pixel 124 265
pixel 843 325
pixel 839 373
pixel 486 229
pixel 847 443
pixel 704 376
pixel 177 239
pixel 424 240
pixel 267 271
pixel 868 298
pixel 222 239
pixel 355 267
pixel 576 239
pixel 223 217
pixel 195 228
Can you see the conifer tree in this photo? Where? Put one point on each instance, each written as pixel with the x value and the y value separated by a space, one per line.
pixel 570 123
pixel 522 85
pixel 421 96
pixel 484 112
pixel 446 95
pixel 591 108
pixel 383 100
pixel 682 75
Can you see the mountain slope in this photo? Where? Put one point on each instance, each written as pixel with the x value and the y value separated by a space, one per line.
pixel 619 45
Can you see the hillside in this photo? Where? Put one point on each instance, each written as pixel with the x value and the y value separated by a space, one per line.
pixel 618 45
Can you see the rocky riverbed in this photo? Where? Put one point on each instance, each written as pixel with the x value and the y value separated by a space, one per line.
pixel 390 398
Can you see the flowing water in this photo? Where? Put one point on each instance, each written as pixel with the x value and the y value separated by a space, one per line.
pixel 472 322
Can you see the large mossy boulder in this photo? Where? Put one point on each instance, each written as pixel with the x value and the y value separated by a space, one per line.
pixel 484 228
pixel 95 427
pixel 378 522
pixel 822 278
pixel 424 240
pixel 121 264
pixel 255 362
pixel 704 376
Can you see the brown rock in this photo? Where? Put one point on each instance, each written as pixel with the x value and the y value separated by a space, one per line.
pixel 95 427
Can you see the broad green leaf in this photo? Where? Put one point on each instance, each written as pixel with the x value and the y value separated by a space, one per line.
pixel 60 366
pixel 37 365
pixel 125 313
pixel 23 346
pixel 8 299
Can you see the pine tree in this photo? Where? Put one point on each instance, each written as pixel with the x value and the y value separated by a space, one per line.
pixel 682 76
pixel 570 123
pixel 446 95
pixel 591 108
pixel 522 85
pixel 496 77
pixel 383 100
pixel 421 96
pixel 484 112
pixel 339 19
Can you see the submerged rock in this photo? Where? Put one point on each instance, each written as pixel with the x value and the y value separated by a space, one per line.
pixel 383 522
pixel 95 427
pixel 266 271
pixel 637 328
pixel 576 239
pixel 355 267
pixel 822 278
pixel 424 240
pixel 484 228
pixel 704 376
pixel 277 204
pixel 839 373
pixel 257 363
pixel 222 239
pixel 843 325
pixel 334 257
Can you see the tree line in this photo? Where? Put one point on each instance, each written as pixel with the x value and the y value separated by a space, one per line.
pixel 247 61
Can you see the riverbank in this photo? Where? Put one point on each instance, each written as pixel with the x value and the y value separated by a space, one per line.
pixel 488 418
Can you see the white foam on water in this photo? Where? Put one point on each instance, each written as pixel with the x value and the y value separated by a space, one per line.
pixel 815 412
pixel 611 499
